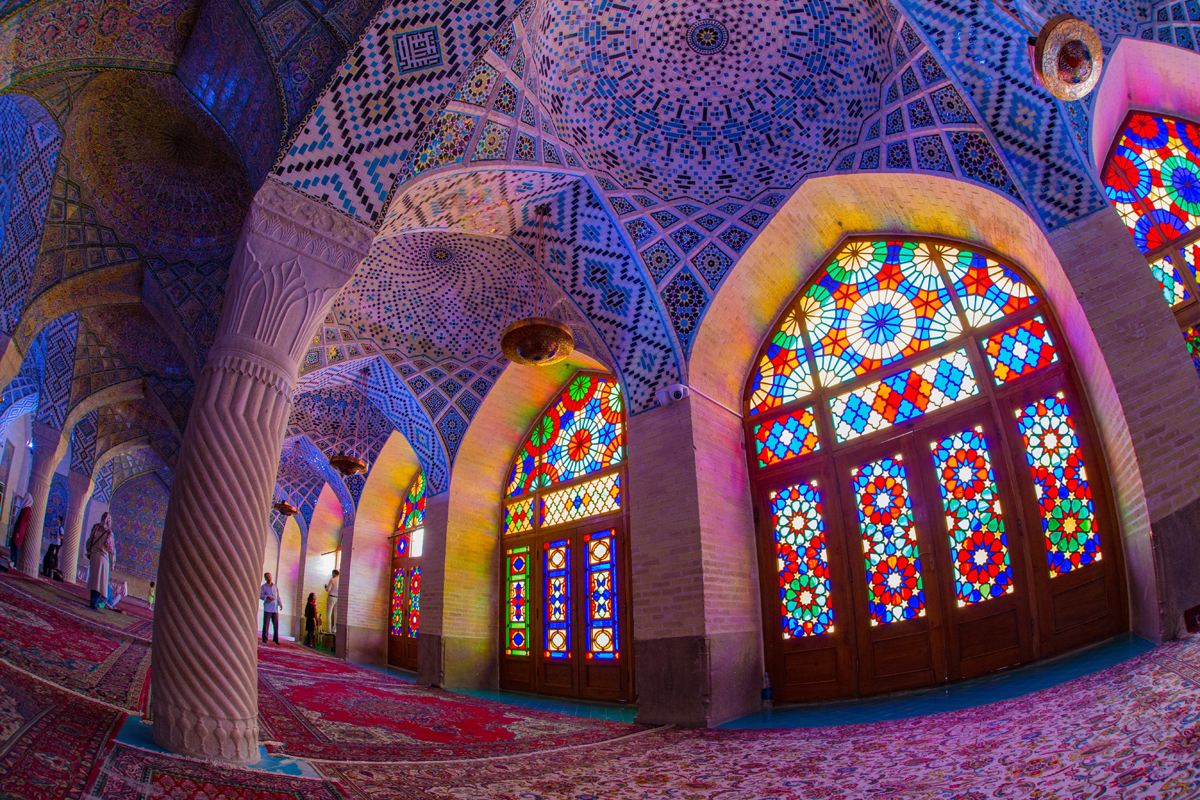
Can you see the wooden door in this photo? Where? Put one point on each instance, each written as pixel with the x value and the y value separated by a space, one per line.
pixel 801 542
pixel 404 626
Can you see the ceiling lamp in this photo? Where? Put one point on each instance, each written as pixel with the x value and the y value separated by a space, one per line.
pixel 1068 58
pixel 285 506
pixel 352 459
pixel 538 340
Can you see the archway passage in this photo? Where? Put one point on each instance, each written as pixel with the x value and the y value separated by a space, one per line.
pixel 929 502
pixel 565 627
pixel 407 546
pixel 1152 177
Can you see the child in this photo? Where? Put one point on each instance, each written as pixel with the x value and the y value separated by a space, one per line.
pixel 150 596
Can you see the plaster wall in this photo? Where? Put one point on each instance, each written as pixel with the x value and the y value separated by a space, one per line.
pixel 288 574
pixel 324 537
pixel 271 564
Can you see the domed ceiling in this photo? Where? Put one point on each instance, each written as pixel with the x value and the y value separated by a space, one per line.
pixel 707 99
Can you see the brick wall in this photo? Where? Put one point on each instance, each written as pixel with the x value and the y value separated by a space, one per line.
pixel 324 535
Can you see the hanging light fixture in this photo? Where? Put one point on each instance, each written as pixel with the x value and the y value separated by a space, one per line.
pixel 539 340
pixel 352 460
pixel 1066 55
pixel 285 506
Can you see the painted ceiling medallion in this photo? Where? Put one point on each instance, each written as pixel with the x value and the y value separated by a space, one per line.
pixel 1068 57
pixel 441 255
pixel 538 340
pixel 707 37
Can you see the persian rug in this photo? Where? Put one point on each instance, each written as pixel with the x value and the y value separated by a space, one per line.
pixel 54 645
pixel 49 740
pixel 349 713
pixel 288 656
pixel 74 600
pixel 1130 731
pixel 128 773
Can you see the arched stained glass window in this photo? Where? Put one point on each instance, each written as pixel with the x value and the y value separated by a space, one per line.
pixel 914 429
pixel 1152 177
pixel 407 544
pixel 563 623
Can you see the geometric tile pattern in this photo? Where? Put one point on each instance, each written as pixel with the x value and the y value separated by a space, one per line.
pixel 29 144
pixel 59 351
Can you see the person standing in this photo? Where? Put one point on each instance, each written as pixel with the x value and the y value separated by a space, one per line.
pixel 150 596
pixel 101 552
pixel 331 602
pixel 269 594
pixel 310 620
pixel 54 540
pixel 19 528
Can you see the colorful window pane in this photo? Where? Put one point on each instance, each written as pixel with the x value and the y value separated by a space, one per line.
pixel 518 516
pixel 1191 260
pixel 414 602
pixel 402 545
pixel 1173 289
pixel 1191 338
pixel 521 479
pixel 987 289
pixel 599 496
pixel 894 589
pixel 1059 478
pixel 413 514
pixel 584 430
pixel 972 506
pixel 786 437
pixel 783 374
pixel 877 303
pixel 398 602
pixel 904 396
pixel 516 623
pixel 601 579
pixel 556 599
pixel 1154 179
pixel 1020 350
pixel 803 561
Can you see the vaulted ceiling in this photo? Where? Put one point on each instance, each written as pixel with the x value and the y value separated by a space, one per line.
pixel 664 137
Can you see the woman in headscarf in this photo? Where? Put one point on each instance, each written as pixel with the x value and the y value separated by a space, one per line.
pixel 20 525
pixel 100 552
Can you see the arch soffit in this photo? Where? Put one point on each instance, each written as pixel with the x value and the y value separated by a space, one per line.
pixel 325 530
pixel 1142 75
pixel 378 508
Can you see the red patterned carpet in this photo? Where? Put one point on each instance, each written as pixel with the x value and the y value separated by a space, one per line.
pixel 95 661
pixel 1131 731
pixel 73 599
pixel 49 740
pixel 320 708
pixel 131 774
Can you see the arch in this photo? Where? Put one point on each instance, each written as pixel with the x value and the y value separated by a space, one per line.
pixel 290 577
pixel 323 542
pixel 826 208
pixel 368 586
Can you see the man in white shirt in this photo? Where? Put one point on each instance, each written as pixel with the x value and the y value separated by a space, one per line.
pixel 269 594
pixel 331 602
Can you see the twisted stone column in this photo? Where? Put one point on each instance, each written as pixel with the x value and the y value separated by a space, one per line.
pixel 293 258
pixel 80 488
pixel 47 452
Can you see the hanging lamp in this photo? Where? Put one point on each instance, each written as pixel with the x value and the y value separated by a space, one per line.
pixel 285 506
pixel 1066 55
pixel 352 460
pixel 538 340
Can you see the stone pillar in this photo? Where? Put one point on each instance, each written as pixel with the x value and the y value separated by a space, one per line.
pixel 697 635
pixel 293 258
pixel 342 641
pixel 80 488
pixel 47 452
pixel 431 642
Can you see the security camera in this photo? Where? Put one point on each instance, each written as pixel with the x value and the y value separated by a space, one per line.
pixel 672 394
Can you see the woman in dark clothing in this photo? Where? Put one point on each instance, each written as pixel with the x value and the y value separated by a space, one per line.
pixel 310 619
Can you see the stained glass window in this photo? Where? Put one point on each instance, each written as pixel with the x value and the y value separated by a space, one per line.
pixel 786 437
pixel 972 507
pixel 518 516
pixel 1173 288
pixel 885 519
pixel 876 303
pixel 598 496
pixel 904 396
pixel 1153 179
pixel 1060 480
pixel 1191 338
pixel 398 602
pixel 556 602
pixel 402 545
pixel 414 602
pixel 516 625
pixel 520 480
pixel 1020 350
pixel 783 373
pixel 803 561
pixel 602 595
pixel 987 289
pixel 413 513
